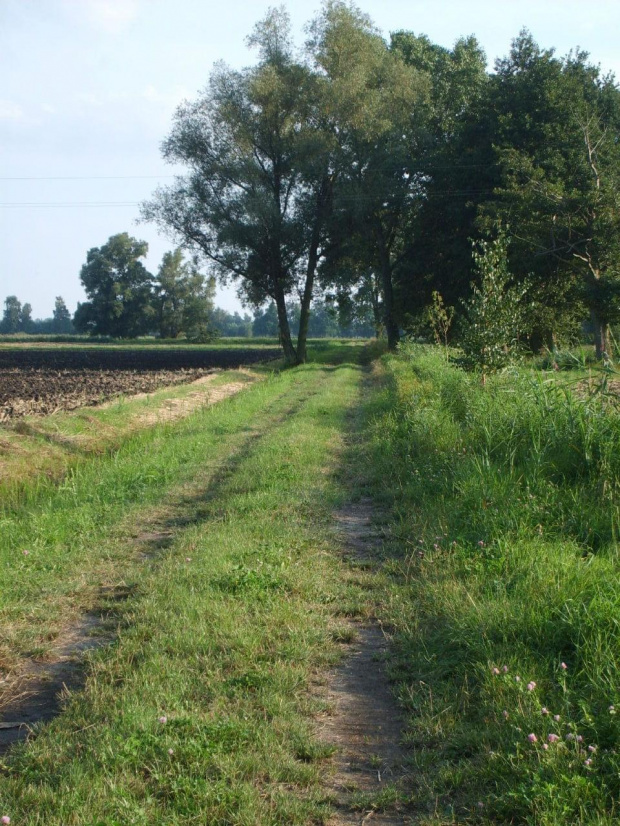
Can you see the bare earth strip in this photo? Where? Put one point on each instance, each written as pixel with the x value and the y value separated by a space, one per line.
pixel 173 409
pixel 364 722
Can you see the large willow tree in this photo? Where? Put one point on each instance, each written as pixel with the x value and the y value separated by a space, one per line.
pixel 372 101
pixel 257 190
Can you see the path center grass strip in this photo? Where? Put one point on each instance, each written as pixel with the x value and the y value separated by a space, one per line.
pixel 200 711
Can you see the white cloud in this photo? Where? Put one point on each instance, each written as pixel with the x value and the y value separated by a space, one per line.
pixel 10 110
pixel 111 16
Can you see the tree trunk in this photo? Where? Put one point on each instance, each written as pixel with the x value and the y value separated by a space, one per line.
pixel 304 315
pixel 376 305
pixel 602 338
pixel 391 327
pixel 290 353
pixel 313 259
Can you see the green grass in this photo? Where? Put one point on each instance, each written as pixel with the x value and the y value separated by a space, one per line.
pixel 102 342
pixel 75 342
pixel 39 450
pixel 227 625
pixel 500 561
pixel 36 450
pixel 504 504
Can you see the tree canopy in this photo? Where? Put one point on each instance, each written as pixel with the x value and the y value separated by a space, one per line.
pixel 118 287
pixel 368 166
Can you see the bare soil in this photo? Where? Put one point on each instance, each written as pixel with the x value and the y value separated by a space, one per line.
pixel 44 381
pixel 364 722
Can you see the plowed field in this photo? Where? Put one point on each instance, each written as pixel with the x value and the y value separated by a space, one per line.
pixel 43 381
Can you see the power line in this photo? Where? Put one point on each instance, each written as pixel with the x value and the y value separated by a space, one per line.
pixel 350 199
pixel 85 177
pixel 52 205
pixel 155 177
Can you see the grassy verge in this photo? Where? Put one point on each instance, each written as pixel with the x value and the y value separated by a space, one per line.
pixel 36 450
pixel 505 514
pixel 201 711
pixel 76 342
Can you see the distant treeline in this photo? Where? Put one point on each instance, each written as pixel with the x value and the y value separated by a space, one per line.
pixel 17 318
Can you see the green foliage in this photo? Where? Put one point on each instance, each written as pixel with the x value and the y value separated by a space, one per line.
pixel 453 166
pixel 11 319
pixel 61 318
pixel 440 319
pixel 556 127
pixel 506 512
pixel 26 323
pixel 372 97
pixel 494 315
pixel 118 288
pixel 253 199
pixel 265 321
pixel 183 299
pixel 17 317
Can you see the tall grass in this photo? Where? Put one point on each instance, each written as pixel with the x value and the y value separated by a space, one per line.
pixel 505 505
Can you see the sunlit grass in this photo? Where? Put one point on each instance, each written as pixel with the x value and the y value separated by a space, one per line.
pixel 505 520
pixel 201 711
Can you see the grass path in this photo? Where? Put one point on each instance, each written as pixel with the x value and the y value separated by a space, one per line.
pixel 220 530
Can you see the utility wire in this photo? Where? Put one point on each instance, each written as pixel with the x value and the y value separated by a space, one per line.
pixel 353 199
pixel 50 205
pixel 85 177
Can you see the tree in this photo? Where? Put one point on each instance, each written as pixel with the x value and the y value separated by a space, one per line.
pixel 61 317
pixel 454 166
pixel 493 318
pixel 118 287
pixel 557 146
pixel 255 197
pixel 183 298
pixel 11 319
pixel 372 97
pixel 266 321
pixel 25 318
pixel 231 324
pixel 356 298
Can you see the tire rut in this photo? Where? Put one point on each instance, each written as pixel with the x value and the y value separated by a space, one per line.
pixel 41 689
pixel 364 722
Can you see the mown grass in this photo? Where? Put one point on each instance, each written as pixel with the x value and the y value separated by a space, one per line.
pixel 200 712
pixel 504 502
pixel 37 451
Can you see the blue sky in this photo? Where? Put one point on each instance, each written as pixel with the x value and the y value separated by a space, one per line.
pixel 88 89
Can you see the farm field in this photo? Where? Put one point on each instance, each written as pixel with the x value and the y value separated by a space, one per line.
pixel 196 591
pixel 43 380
